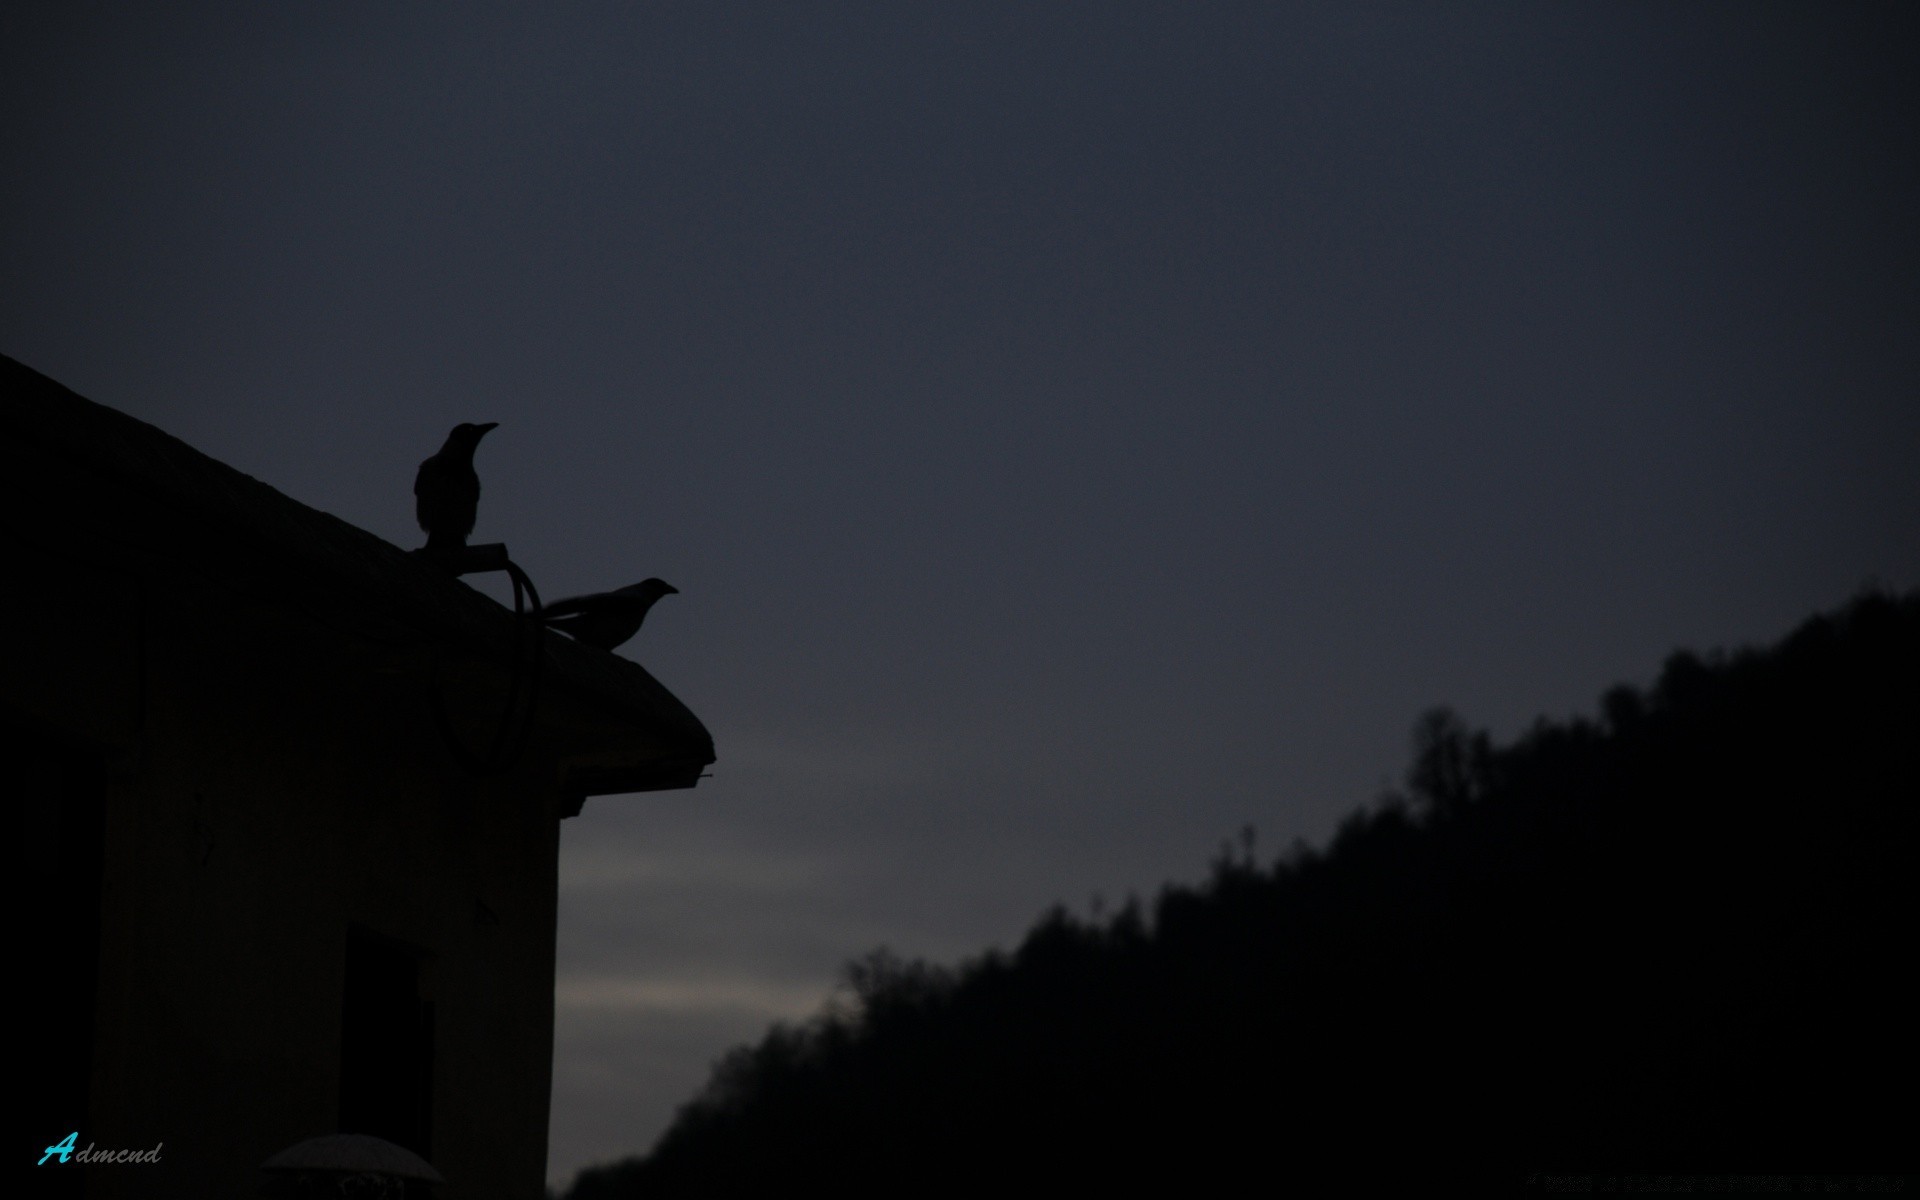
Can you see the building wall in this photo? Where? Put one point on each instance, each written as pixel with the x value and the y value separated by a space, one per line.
pixel 274 777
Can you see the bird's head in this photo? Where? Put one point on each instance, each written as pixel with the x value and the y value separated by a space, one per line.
pixel 468 435
pixel 652 589
pixel 465 438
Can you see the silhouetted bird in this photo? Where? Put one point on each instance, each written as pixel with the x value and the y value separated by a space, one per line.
pixel 605 619
pixel 447 491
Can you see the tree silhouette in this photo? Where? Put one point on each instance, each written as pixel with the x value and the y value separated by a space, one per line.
pixel 1671 940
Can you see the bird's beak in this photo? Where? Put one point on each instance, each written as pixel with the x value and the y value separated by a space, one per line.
pixel 672 589
pixel 484 428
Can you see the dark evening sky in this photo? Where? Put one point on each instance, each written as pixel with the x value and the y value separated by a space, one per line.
pixel 1078 431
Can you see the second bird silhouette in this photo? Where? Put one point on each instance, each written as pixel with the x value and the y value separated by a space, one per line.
pixel 606 619
pixel 446 492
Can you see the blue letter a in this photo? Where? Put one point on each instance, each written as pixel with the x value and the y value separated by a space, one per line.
pixel 61 1148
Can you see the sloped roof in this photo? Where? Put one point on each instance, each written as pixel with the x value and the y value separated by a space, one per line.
pixel 203 513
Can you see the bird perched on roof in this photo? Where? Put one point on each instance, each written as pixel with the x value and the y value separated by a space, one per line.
pixel 447 490
pixel 606 619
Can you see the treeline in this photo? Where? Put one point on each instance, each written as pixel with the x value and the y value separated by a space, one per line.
pixel 1674 938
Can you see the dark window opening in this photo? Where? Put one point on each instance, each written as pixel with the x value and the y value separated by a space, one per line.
pixel 386 1043
pixel 61 801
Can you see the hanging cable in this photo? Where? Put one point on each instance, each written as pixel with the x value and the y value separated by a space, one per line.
pixel 527 658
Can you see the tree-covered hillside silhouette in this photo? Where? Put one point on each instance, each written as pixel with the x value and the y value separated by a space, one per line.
pixel 1673 939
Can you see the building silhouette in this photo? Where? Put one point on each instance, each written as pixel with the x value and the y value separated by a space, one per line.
pixel 291 803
